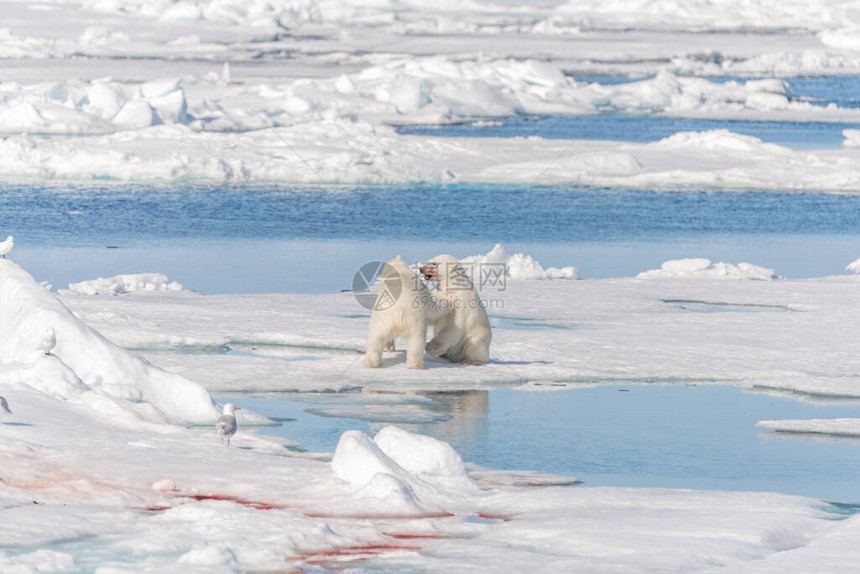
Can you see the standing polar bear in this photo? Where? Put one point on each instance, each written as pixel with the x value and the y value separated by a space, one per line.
pixel 461 332
pixel 403 307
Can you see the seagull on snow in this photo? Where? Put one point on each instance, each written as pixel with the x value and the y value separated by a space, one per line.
pixel 226 425
pixel 4 405
pixel 6 246
pixel 48 342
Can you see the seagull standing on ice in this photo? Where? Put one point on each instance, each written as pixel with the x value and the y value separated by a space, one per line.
pixel 226 425
pixel 6 246
pixel 48 342
pixel 4 405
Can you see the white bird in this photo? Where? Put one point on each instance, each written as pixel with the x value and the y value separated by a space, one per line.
pixel 4 405
pixel 48 342
pixel 226 425
pixel 6 246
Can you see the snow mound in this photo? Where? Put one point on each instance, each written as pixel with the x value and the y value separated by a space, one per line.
pixel 852 138
pixel 854 266
pixel 521 266
pixel 703 268
pixel 404 472
pixel 721 140
pixel 75 107
pixel 83 366
pixel 123 284
pixel 425 457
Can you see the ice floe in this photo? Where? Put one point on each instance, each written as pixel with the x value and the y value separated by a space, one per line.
pixel 835 427
pixel 701 267
pixel 121 284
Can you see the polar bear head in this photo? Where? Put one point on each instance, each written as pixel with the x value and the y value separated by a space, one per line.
pixel 448 273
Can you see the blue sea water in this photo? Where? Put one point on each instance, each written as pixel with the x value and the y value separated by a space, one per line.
pixel 306 239
pixel 673 436
pixel 818 90
pixel 642 129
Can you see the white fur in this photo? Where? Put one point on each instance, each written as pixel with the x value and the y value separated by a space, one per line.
pixel 406 317
pixel 462 333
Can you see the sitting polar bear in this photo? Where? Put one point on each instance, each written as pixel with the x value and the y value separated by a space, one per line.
pixel 461 332
pixel 403 307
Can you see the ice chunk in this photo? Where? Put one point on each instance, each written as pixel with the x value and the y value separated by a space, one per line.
pixel 104 100
pixel 432 460
pixel 852 138
pixel 171 108
pixel 521 266
pixel 135 114
pixel 357 459
pixel 160 87
pixel 703 268
pixel 122 284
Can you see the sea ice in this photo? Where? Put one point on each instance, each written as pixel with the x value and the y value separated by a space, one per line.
pixel 403 501
pixel 700 267
pixel 121 284
pixel 521 266
pixel 835 427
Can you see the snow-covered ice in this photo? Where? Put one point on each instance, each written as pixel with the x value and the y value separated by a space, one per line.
pixel 396 500
pixel 701 267
pixel 298 92
pixel 109 462
pixel 836 427
pixel 521 266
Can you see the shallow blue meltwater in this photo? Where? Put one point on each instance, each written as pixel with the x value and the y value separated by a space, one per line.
pixel 633 435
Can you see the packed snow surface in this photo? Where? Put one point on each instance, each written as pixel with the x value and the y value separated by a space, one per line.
pixel 306 91
pixel 104 460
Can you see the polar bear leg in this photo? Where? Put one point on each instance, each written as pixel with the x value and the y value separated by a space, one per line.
pixel 415 339
pixel 443 340
pixel 476 350
pixel 378 337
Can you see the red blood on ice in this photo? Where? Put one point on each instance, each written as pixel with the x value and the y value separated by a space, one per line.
pixel 250 503
pixel 404 536
pixel 381 516
pixel 353 553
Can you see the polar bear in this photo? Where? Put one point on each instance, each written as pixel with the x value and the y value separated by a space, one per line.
pixel 461 331
pixel 403 306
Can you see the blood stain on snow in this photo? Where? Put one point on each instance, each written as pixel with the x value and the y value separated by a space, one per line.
pixel 353 553
pixel 154 508
pixel 407 536
pixel 249 503
pixel 380 516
